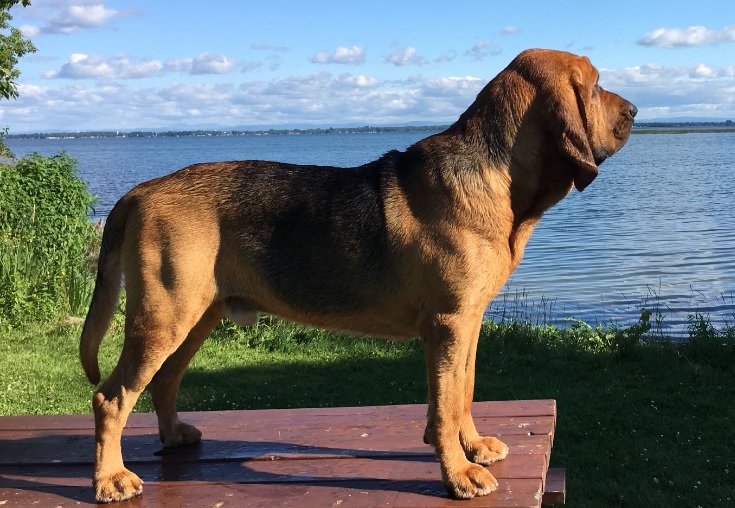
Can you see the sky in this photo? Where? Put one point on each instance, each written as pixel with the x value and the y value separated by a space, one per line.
pixel 165 64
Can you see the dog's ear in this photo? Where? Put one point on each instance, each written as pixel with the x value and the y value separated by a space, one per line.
pixel 568 116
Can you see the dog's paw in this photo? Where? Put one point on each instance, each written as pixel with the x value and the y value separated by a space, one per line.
pixel 183 434
pixel 472 481
pixel 486 450
pixel 117 487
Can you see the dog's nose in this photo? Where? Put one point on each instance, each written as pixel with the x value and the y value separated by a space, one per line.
pixel 633 110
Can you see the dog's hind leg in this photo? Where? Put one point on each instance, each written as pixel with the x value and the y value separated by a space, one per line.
pixel 480 450
pixel 165 384
pixel 447 343
pixel 154 330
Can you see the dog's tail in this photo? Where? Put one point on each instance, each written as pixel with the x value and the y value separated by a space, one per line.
pixel 106 291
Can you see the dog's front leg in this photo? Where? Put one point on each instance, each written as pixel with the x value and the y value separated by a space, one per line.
pixel 447 344
pixel 480 450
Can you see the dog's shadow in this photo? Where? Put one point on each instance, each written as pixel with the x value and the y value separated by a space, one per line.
pixel 61 465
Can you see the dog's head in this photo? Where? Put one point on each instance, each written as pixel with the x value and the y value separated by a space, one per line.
pixel 549 105
pixel 586 123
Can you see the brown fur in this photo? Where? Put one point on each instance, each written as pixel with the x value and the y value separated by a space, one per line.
pixel 416 243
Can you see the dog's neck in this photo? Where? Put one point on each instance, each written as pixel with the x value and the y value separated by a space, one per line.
pixel 485 166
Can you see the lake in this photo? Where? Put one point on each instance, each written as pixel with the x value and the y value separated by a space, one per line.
pixel 656 229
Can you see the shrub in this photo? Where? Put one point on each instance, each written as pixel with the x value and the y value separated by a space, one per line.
pixel 45 236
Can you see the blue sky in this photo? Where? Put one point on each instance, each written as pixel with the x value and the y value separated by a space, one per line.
pixel 106 64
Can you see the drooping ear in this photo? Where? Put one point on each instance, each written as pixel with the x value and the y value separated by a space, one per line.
pixel 568 111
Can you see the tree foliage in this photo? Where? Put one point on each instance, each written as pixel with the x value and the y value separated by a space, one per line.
pixel 12 47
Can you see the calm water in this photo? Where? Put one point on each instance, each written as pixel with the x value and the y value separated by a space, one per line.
pixel 656 229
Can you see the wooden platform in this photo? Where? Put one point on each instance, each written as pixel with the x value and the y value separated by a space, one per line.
pixel 365 456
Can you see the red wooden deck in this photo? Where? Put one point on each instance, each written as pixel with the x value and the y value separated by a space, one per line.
pixel 364 456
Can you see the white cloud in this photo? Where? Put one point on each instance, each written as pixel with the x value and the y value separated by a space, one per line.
pixel 73 17
pixel 510 30
pixel 703 71
pixel 446 57
pixel 122 66
pixel 691 37
pixel 81 66
pixel 341 55
pixel 325 98
pixel 659 91
pixel 405 56
pixel 482 50
pixel 179 65
pixel 654 74
pixel 454 84
pixel 212 63
pixel 357 81
pixel 319 98
pixel 251 66
pixel 195 95
pixel 268 47
pixel 30 30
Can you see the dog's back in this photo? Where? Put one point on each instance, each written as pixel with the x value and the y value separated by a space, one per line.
pixel 310 243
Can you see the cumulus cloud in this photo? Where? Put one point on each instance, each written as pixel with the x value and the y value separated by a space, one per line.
pixel 690 90
pixel 122 66
pixel 319 98
pixel 81 66
pixel 468 86
pixel 268 47
pixel 195 96
pixel 482 50
pixel 212 63
pixel 326 98
pixel 179 65
pixel 251 66
pixel 654 74
pixel 446 57
pixel 341 55
pixel 75 17
pixel 510 30
pixel 405 56
pixel 204 63
pixel 690 37
pixel 359 81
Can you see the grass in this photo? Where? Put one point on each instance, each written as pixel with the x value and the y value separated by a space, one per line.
pixel 641 423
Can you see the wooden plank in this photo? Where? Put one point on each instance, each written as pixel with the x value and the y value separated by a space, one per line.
pixel 420 468
pixel 354 433
pixel 334 456
pixel 510 493
pixel 140 445
pixel 278 417
pixel 555 486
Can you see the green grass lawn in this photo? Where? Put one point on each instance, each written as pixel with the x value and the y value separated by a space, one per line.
pixel 640 423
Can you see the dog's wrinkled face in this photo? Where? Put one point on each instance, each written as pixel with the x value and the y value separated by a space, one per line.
pixel 608 117
pixel 605 120
pixel 585 122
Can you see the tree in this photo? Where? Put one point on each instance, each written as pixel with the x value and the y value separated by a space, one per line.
pixel 12 47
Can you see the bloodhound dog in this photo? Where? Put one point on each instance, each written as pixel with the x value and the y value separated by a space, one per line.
pixel 415 243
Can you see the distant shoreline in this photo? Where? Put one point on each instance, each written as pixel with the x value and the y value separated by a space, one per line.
pixel 640 128
pixel 227 133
